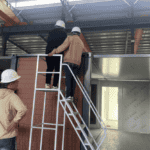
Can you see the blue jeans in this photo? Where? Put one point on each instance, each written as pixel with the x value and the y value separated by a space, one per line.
pixel 8 144
pixel 70 81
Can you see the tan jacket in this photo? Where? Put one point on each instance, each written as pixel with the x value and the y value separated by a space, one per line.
pixel 9 104
pixel 74 53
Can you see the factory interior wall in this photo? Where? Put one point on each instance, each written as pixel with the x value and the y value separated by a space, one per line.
pixel 133 105
pixel 26 68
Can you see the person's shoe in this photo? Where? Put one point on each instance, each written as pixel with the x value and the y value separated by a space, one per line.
pixel 71 98
pixel 68 98
pixel 47 86
pixel 55 87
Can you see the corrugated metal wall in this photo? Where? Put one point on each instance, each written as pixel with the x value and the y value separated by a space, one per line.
pixel 102 42
pixel 109 42
pixel 26 69
pixel 133 105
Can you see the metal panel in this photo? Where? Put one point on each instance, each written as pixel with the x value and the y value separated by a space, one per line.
pixel 135 104
pixel 120 68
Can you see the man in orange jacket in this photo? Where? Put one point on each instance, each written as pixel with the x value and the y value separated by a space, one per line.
pixel 72 57
pixel 9 104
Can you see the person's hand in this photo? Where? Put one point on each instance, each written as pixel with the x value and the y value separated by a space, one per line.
pixel 50 54
pixel 13 125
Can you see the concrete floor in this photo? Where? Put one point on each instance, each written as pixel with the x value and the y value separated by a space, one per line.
pixel 120 140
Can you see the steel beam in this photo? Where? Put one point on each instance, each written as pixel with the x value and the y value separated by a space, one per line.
pixel 43 38
pixel 14 62
pixel 86 26
pixel 18 46
pixel 8 16
pixel 67 15
pixel 4 44
pixel 17 13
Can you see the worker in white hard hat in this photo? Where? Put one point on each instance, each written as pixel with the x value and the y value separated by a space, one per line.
pixel 73 48
pixel 9 104
pixel 56 37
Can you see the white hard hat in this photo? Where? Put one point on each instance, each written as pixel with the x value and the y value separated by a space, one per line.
pixel 9 75
pixel 76 29
pixel 60 23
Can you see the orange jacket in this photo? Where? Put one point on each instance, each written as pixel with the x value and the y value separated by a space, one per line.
pixel 9 104
pixel 74 53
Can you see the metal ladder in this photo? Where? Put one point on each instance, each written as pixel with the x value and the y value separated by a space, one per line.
pixel 88 140
pixel 47 90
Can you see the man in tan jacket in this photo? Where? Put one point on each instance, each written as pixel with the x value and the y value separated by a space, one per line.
pixel 9 104
pixel 73 48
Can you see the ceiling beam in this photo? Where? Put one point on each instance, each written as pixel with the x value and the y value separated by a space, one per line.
pixel 43 38
pixel 86 26
pixel 18 46
pixel 8 16
pixel 67 15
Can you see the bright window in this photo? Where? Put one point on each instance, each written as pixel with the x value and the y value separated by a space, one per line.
pixel 110 103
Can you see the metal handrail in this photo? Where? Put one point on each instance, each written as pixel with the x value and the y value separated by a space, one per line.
pixel 87 100
pixel 90 100
pixel 75 119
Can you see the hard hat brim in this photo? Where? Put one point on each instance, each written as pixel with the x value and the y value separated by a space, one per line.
pixel 12 80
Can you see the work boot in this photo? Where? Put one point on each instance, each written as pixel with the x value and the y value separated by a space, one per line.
pixel 68 98
pixel 47 86
pixel 54 87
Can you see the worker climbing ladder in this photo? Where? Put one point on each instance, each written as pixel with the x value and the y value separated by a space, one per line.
pixel 89 140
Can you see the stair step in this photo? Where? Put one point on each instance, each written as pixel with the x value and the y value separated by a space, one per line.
pixel 48 90
pixel 82 126
pixel 75 113
pixel 95 132
pixel 90 140
pixel 48 72
pixel 68 100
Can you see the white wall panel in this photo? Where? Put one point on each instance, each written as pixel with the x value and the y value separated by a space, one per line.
pixel 133 105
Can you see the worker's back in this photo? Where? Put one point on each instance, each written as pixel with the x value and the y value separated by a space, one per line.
pixel 76 48
pixel 55 39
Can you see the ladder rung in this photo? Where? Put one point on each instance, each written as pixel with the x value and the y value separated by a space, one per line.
pixel 44 128
pixel 48 72
pixel 75 113
pixel 82 126
pixel 60 125
pixel 53 124
pixel 44 89
pixel 90 140
pixel 68 100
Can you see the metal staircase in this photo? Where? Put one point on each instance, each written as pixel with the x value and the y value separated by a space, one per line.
pixel 89 140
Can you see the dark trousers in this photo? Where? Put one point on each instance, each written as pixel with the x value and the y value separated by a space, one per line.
pixel 52 63
pixel 70 81
pixel 8 144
